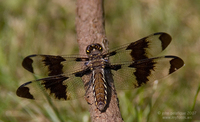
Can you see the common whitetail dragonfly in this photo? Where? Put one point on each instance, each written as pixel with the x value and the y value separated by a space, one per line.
pixel 132 66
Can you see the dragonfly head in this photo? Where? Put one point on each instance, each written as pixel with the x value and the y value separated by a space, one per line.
pixel 94 49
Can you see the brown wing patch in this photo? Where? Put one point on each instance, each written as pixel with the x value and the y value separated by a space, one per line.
pixel 176 64
pixel 55 87
pixel 54 64
pixel 144 68
pixel 165 39
pixel 138 49
pixel 24 91
pixel 149 46
pixel 27 63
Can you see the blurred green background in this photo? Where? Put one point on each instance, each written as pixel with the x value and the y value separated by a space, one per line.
pixel 48 27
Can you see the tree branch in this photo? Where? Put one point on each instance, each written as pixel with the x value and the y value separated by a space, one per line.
pixel 90 29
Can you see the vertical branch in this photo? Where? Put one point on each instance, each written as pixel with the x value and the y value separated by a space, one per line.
pixel 89 22
pixel 90 29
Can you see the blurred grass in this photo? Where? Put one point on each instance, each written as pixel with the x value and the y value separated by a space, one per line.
pixel 48 27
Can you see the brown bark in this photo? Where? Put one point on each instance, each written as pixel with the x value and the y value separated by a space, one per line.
pixel 90 29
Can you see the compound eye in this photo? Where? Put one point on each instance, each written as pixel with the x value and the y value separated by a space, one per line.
pixel 88 49
pixel 99 47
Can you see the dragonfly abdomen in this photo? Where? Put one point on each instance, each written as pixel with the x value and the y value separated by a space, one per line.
pixel 99 89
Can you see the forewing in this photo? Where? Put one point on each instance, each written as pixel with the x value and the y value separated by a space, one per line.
pixel 60 87
pixel 50 65
pixel 144 48
pixel 134 74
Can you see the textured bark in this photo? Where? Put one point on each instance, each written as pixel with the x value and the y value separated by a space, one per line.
pixel 90 29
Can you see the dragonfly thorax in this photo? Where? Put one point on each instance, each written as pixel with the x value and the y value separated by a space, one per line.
pixel 96 64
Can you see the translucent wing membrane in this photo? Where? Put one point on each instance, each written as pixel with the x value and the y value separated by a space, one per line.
pixel 50 65
pixel 58 87
pixel 146 47
pixel 134 74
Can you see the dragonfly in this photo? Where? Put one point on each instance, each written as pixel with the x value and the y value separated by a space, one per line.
pixel 132 65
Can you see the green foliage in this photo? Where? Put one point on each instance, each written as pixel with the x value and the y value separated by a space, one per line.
pixel 48 27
